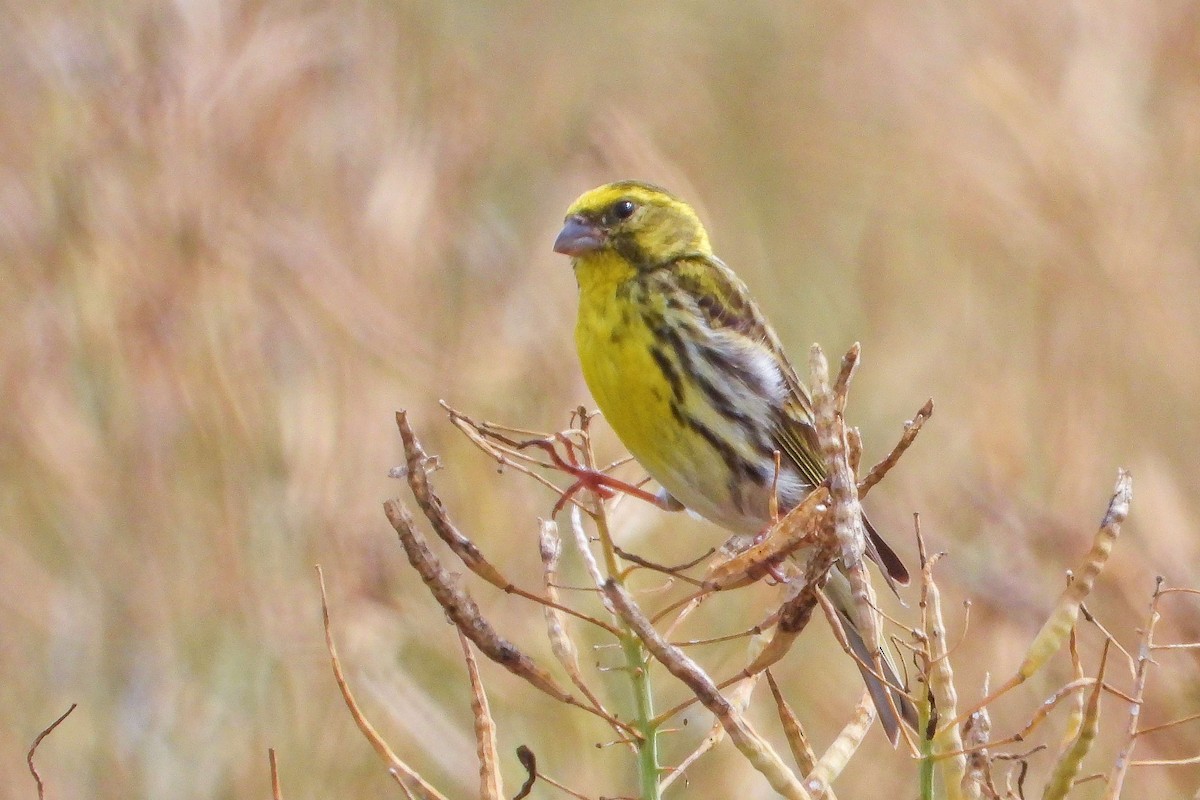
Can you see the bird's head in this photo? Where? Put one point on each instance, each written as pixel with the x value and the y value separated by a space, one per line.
pixel 645 225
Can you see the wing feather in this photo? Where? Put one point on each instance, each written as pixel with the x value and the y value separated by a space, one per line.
pixel 724 302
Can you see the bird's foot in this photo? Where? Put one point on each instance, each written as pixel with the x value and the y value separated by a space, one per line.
pixel 593 480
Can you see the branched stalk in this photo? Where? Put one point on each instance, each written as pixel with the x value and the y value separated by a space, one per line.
pixel 637 660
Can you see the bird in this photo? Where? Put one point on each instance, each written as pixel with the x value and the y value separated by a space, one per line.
pixel 694 381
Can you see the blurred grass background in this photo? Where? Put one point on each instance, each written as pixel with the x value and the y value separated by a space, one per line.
pixel 235 237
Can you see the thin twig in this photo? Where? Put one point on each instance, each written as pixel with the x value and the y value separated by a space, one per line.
pixel 405 775
pixel 41 789
pixel 435 511
pixel 911 429
pixel 1124 760
pixel 276 788
pixel 1171 724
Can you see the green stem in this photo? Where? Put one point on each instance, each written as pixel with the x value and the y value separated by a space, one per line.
pixel 637 664
pixel 925 769
pixel 637 661
pixel 648 766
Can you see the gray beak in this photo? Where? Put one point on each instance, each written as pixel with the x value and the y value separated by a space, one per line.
pixel 578 237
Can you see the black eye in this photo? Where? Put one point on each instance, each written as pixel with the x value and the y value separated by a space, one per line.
pixel 623 209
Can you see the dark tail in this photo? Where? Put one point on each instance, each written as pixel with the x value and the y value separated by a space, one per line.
pixel 879 692
pixel 893 568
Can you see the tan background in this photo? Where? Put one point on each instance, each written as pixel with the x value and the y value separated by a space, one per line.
pixel 235 237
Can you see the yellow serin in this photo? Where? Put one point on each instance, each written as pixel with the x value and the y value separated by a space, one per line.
pixel 691 376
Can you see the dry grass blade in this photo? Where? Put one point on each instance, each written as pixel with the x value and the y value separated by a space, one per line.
pixel 491 785
pixel 757 750
pixel 408 778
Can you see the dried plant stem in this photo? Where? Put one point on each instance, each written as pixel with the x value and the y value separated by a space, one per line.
pixel 491 786
pixel 464 613
pixel 977 733
pixel 847 518
pixel 561 644
pixel 1078 703
pixel 1039 716
pixel 791 532
pixel 276 788
pixel 802 751
pixel 1070 761
pixel 911 429
pixel 740 698
pixel 940 676
pixel 1057 628
pixel 1166 725
pixel 41 787
pixel 637 660
pixel 839 753
pixel 405 775
pixel 1116 778
pixel 435 511
pixel 828 406
pixel 505 456
pixel 757 750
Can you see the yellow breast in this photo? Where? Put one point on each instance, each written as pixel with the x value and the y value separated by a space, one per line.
pixel 615 351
